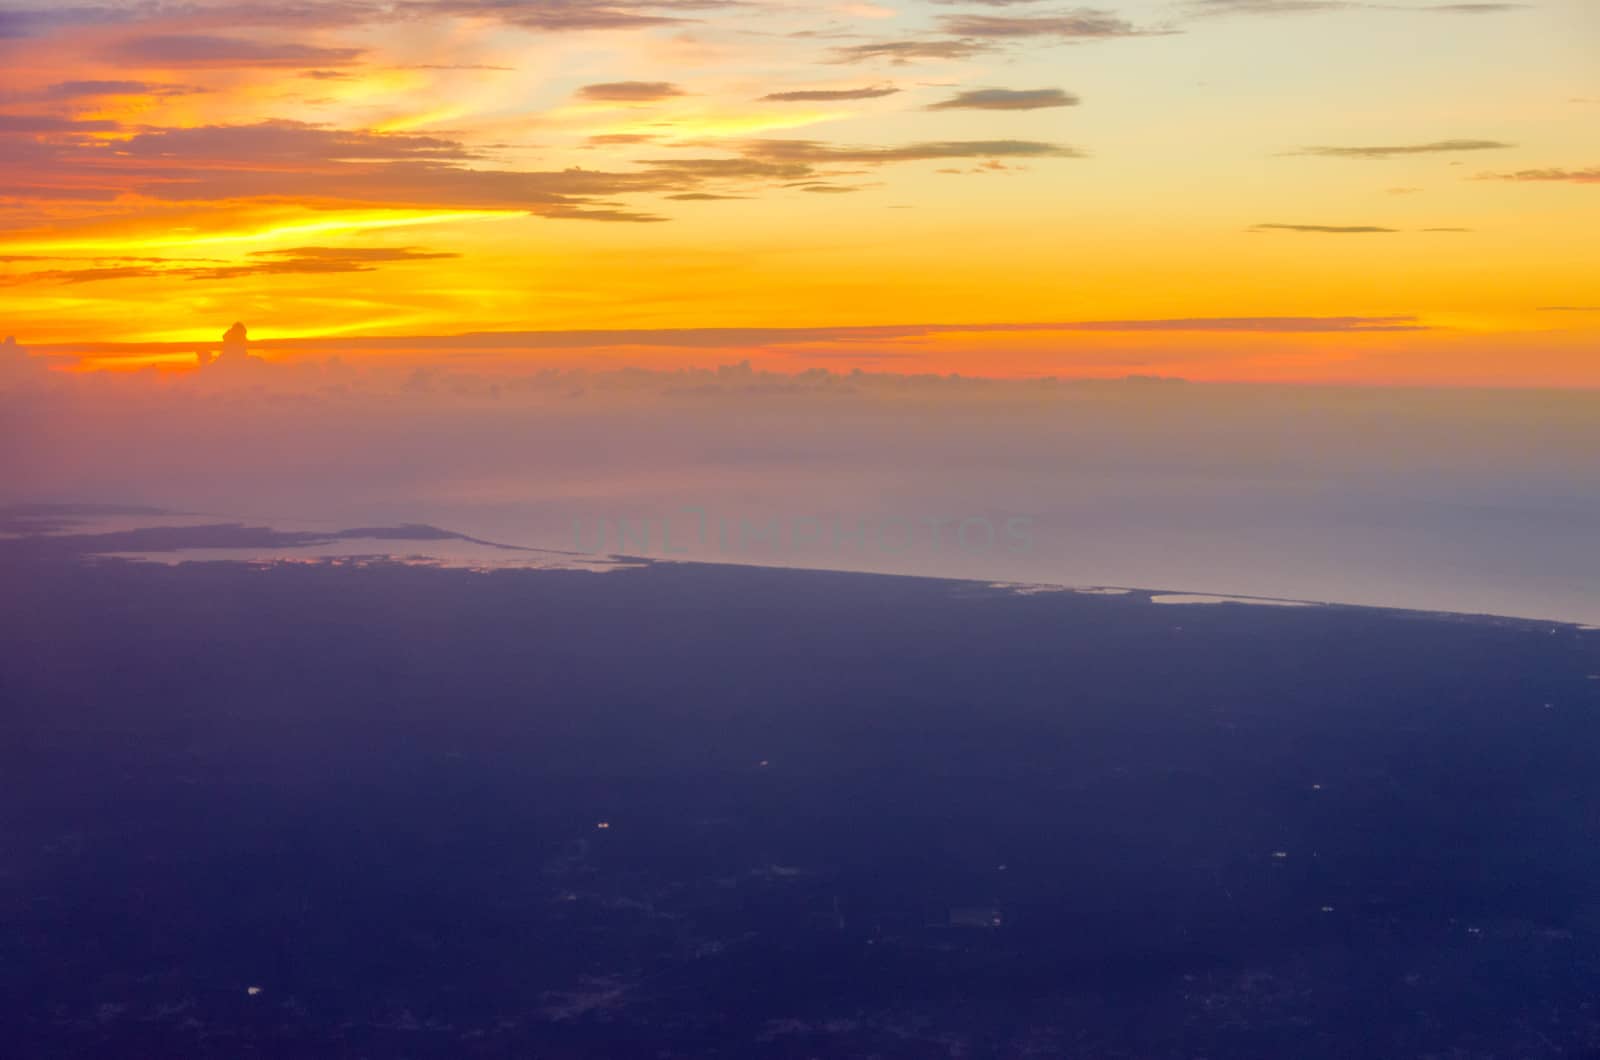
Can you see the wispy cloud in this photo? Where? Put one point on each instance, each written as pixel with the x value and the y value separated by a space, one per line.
pixel 296 161
pixel 1007 99
pixel 277 161
pixel 320 260
pixel 569 15
pixel 289 261
pixel 49 123
pixel 20 22
pixel 906 51
pixel 1341 230
pixel 811 151
pixel 630 91
pixel 285 141
pixel 1591 175
pixel 1282 325
pixel 1086 23
pixel 73 90
pixel 193 49
pixel 615 139
pixel 1384 151
pixel 828 95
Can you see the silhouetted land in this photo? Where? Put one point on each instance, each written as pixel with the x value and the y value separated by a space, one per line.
pixel 375 793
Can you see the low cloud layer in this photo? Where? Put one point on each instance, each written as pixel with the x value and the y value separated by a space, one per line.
pixel 1436 499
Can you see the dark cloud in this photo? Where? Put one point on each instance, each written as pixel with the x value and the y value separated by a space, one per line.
pixel 284 160
pixel 569 15
pixel 1345 230
pixel 1590 175
pixel 905 51
pixel 289 261
pixel 16 23
pixel 230 15
pixel 90 89
pixel 563 194
pixel 56 193
pixel 542 15
pixel 1392 150
pixel 1007 99
pixel 630 91
pixel 318 260
pixel 1339 230
pixel 1086 23
pixel 591 213
pixel 1283 325
pixel 89 274
pixel 813 152
pixel 284 142
pixel 692 170
pixel 194 49
pixel 322 166
pixel 45 123
pixel 1569 309
pixel 795 161
pixel 826 95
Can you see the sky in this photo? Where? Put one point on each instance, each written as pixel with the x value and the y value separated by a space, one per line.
pixel 1287 298
pixel 1265 191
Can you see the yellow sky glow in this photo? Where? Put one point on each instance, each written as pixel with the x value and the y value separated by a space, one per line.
pixel 458 170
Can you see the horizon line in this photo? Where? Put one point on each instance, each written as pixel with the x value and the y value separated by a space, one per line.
pixel 734 337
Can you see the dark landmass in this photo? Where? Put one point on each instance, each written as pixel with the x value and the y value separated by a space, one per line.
pixel 52 518
pixel 48 540
pixel 844 816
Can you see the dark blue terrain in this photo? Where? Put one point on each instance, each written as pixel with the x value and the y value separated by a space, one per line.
pixel 701 811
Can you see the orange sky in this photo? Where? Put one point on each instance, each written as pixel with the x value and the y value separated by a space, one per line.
pixel 1219 189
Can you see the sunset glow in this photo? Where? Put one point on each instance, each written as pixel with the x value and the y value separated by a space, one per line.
pixel 442 167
